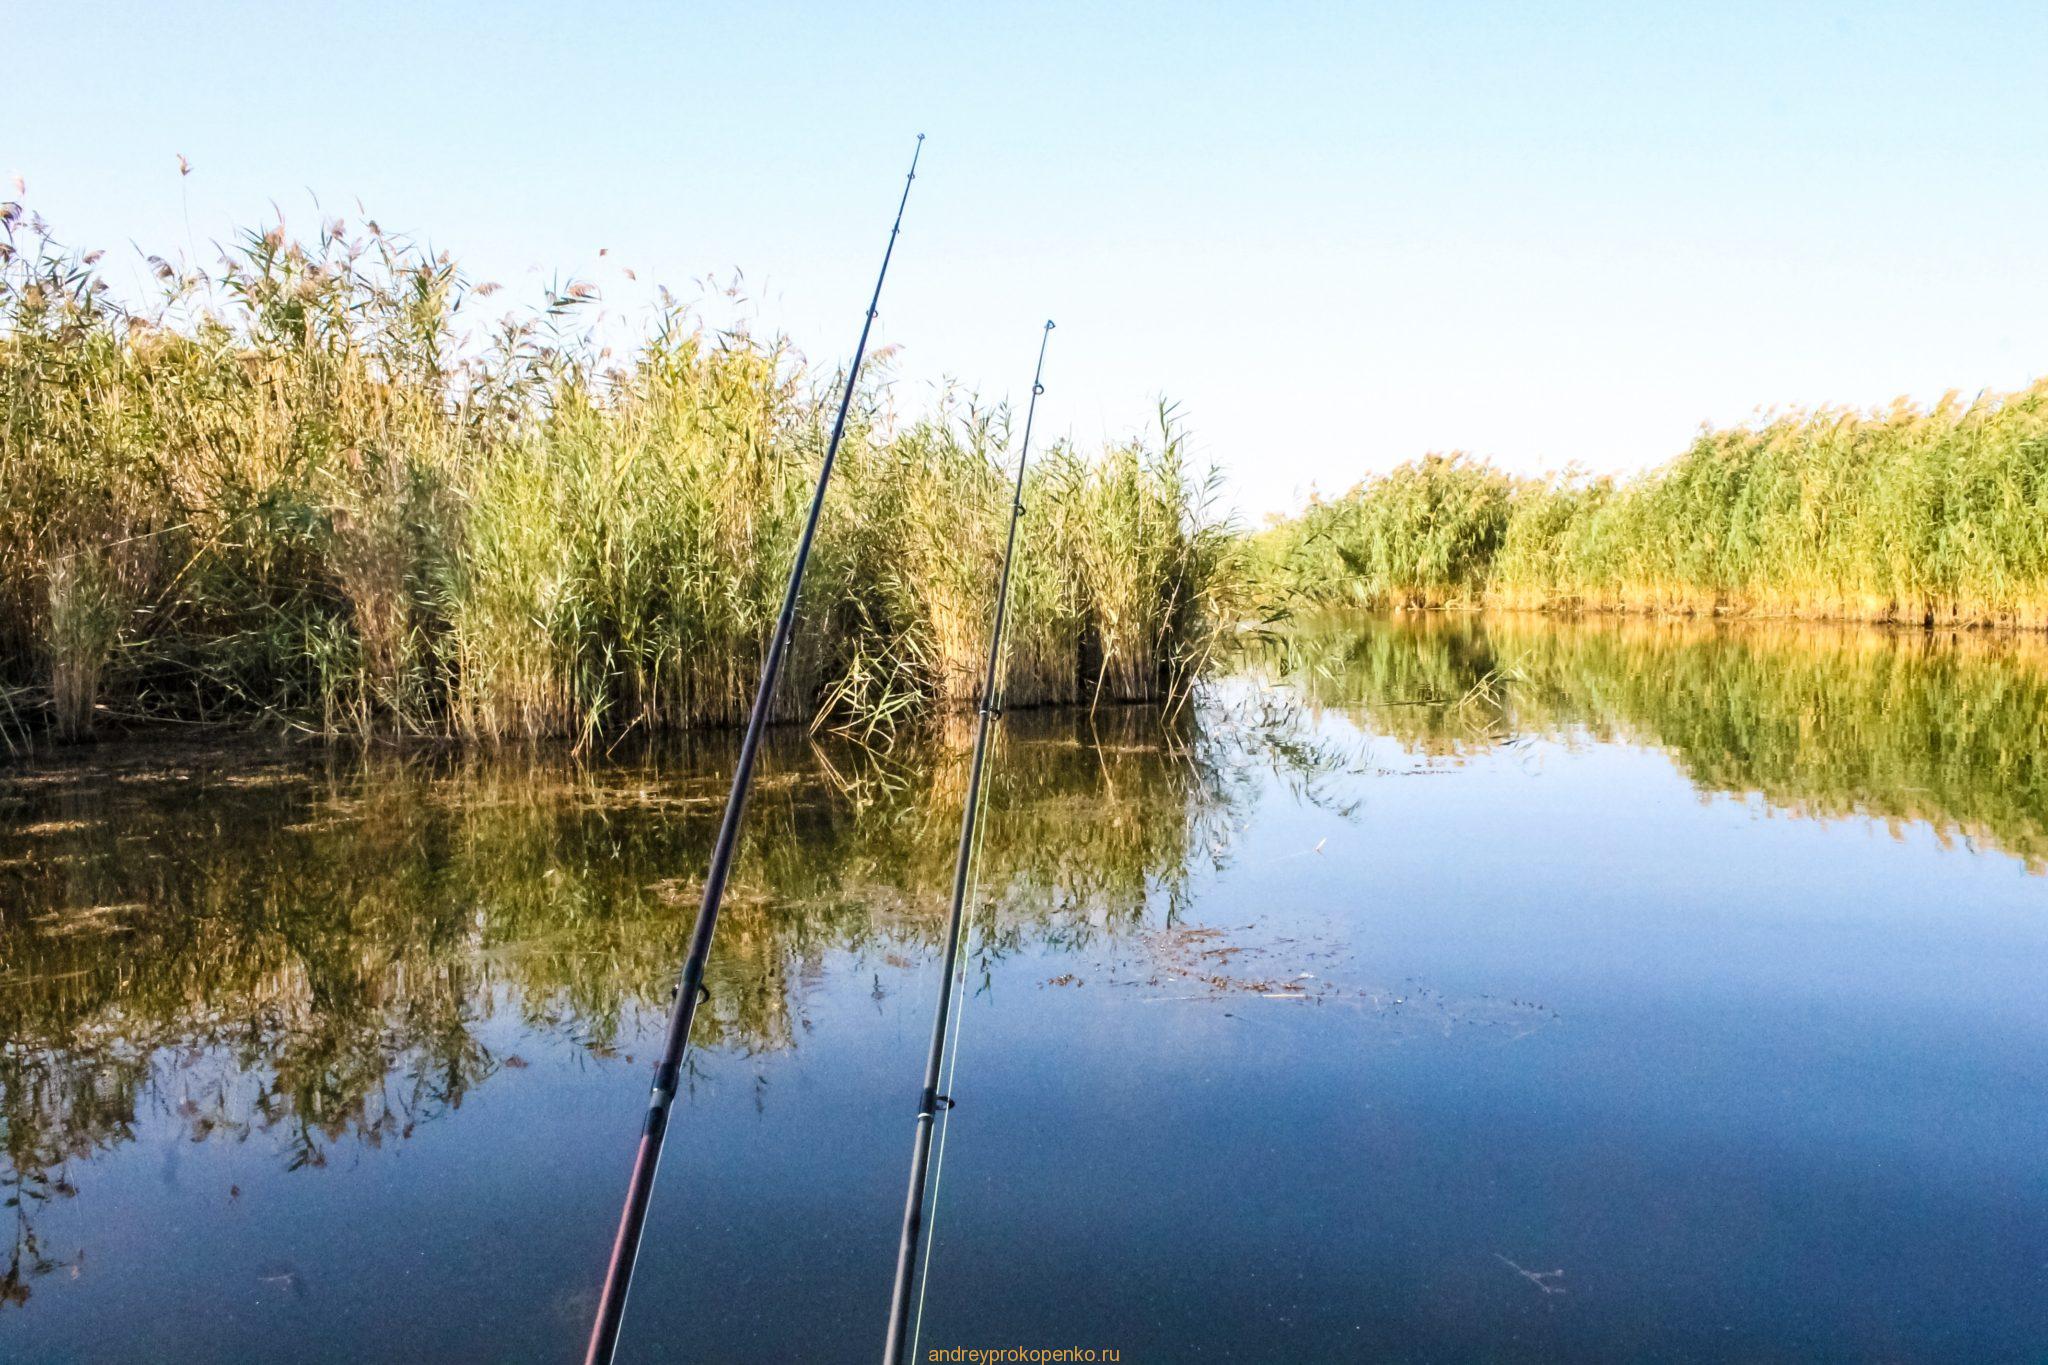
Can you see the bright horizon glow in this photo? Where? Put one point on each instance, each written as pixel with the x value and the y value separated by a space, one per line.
pixel 1336 241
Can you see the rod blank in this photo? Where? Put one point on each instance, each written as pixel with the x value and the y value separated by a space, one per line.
pixel 611 1308
pixel 928 1099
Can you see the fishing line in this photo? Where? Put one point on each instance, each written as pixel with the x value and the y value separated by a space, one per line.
pixel 964 864
pixel 618 1277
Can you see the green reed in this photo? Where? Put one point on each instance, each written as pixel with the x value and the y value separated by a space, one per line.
pixel 1423 535
pixel 310 486
pixel 1924 515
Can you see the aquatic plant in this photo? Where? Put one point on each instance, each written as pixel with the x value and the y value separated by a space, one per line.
pixel 1423 535
pixel 1934 515
pixel 309 486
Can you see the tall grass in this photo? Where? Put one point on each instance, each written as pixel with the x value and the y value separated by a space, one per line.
pixel 1423 535
pixel 308 485
pixel 1927 515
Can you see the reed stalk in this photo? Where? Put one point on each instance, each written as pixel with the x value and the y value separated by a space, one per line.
pixel 312 485
pixel 1932 515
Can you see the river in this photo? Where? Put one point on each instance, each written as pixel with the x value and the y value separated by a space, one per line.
pixel 1440 988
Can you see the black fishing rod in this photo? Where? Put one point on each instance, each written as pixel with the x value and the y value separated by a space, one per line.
pixel 611 1307
pixel 929 1099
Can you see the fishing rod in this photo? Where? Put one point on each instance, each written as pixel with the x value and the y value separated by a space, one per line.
pixel 930 1099
pixel 618 1276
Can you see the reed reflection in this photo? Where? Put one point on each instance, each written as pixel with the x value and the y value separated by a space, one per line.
pixel 303 950
pixel 1936 727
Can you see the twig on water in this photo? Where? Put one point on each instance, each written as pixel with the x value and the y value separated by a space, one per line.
pixel 1540 1278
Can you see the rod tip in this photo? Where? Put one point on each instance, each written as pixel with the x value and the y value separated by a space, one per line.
pixel 920 137
pixel 1048 324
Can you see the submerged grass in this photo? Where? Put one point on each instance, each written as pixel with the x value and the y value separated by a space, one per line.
pixel 1935 515
pixel 302 487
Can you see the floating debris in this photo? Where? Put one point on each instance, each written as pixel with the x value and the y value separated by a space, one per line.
pixel 1198 956
pixel 48 827
pixel 1540 1278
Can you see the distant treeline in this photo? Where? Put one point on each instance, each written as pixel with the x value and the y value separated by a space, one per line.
pixel 301 487
pixel 1936 515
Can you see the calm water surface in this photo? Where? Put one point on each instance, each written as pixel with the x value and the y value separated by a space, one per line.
pixel 1452 990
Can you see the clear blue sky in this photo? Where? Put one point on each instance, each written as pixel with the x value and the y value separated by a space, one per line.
pixel 1339 236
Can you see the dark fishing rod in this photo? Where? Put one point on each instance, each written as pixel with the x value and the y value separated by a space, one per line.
pixel 930 1099
pixel 611 1307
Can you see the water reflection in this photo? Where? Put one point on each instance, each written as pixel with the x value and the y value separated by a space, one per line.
pixel 318 954
pixel 1904 726
pixel 304 948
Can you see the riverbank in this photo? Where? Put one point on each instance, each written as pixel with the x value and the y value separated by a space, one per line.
pixel 1934 516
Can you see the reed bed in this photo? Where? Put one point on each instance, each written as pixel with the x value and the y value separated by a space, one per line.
pixel 1928 515
pixel 308 486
